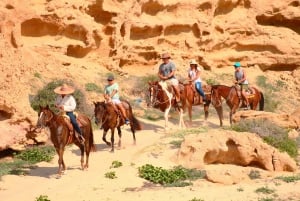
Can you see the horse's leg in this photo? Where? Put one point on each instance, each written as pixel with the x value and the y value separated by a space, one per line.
pixel 205 108
pixel 120 136
pixel 61 164
pixel 166 115
pixel 190 111
pixel 104 137
pixel 133 134
pixel 112 139
pixel 181 121
pixel 81 147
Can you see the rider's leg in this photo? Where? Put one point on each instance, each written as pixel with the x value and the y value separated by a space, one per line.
pixel 200 91
pixel 246 99
pixel 75 124
pixel 122 109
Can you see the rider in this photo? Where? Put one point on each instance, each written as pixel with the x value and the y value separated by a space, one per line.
pixel 166 72
pixel 111 93
pixel 67 103
pixel 241 80
pixel 194 76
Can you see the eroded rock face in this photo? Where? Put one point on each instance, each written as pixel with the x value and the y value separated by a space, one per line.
pixel 290 121
pixel 229 147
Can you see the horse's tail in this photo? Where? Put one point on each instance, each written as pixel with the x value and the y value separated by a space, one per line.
pixel 136 124
pixel 261 102
pixel 92 146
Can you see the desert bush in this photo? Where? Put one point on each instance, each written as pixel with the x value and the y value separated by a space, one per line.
pixel 42 198
pixel 110 175
pixel 172 177
pixel 116 164
pixel 46 96
pixel 289 179
pixel 15 167
pixel 265 190
pixel 196 199
pixel 271 134
pixel 37 75
pixel 212 81
pixel 93 87
pixel 271 103
pixel 37 154
pixel 254 174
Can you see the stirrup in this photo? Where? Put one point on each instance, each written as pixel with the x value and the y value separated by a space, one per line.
pixel 80 138
pixel 127 122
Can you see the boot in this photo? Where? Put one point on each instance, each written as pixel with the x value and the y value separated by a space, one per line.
pixel 177 95
pixel 80 137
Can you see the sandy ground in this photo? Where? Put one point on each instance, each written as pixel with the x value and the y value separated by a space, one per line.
pixel 152 147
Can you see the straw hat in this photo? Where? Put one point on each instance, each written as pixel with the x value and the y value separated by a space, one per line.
pixel 193 62
pixel 64 89
pixel 165 56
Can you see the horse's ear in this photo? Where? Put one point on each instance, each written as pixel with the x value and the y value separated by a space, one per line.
pixel 95 103
pixel 47 106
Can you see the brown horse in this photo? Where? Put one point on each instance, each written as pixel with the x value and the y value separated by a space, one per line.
pixel 192 98
pixel 161 97
pixel 108 117
pixel 60 135
pixel 233 99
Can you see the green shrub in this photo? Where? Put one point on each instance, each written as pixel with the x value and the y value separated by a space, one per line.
pixel 177 175
pixel 37 75
pixel 265 190
pixel 254 174
pixel 212 81
pixel 111 175
pixel 37 154
pixel 93 87
pixel 116 164
pixel 176 143
pixel 196 199
pixel 16 167
pixel 46 96
pixel 42 198
pixel 271 133
pixel 289 179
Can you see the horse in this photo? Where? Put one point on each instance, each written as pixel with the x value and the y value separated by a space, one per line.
pixel 108 117
pixel 233 99
pixel 192 98
pixel 161 97
pixel 60 135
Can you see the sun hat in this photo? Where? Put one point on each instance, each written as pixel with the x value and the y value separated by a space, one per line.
pixel 110 78
pixel 165 56
pixel 193 62
pixel 64 89
pixel 237 64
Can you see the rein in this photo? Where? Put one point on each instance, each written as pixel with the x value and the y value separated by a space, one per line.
pixel 155 97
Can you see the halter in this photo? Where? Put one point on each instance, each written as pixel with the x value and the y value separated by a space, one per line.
pixel 43 117
pixel 154 99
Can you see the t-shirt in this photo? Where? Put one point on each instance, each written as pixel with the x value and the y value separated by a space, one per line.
pixel 109 89
pixel 166 69
pixel 239 75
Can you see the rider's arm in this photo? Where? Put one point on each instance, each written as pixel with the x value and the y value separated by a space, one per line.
pixel 244 77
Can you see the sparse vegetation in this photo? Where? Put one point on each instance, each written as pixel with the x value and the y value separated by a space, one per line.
pixel 37 75
pixel 196 199
pixel 270 103
pixel 26 159
pixel 212 81
pixel 289 179
pixel 116 164
pixel 176 143
pixel 93 87
pixel 173 177
pixel 46 96
pixel 265 190
pixel 37 154
pixel 272 134
pixel 111 175
pixel 240 189
pixel 182 133
pixel 254 174
pixel 42 198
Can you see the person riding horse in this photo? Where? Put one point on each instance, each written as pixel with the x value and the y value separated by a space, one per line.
pixel 67 103
pixel 166 73
pixel 194 76
pixel 111 94
pixel 241 80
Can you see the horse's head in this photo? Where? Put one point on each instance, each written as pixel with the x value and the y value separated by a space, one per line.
pixel 99 112
pixel 216 99
pixel 153 91
pixel 45 115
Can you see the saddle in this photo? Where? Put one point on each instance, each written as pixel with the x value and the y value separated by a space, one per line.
pixel 198 100
pixel 80 121
pixel 250 92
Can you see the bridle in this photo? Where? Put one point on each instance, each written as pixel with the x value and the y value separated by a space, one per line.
pixel 153 96
pixel 44 119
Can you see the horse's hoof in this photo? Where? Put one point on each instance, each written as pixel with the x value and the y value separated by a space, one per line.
pixel 58 176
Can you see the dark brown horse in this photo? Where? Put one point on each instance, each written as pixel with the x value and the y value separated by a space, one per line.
pixel 60 135
pixel 108 117
pixel 162 98
pixel 233 99
pixel 192 98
